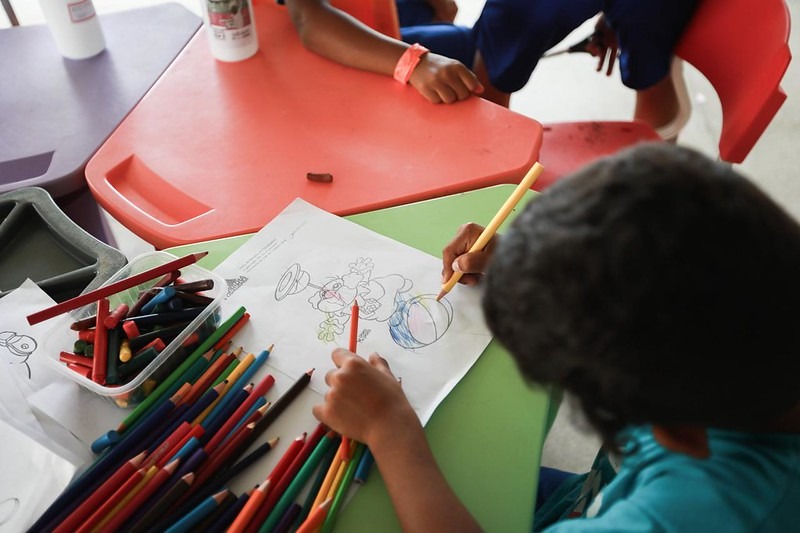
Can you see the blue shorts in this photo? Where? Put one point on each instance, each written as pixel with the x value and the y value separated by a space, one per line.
pixel 513 34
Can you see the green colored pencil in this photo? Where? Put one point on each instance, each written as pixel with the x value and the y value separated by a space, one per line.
pixel 297 484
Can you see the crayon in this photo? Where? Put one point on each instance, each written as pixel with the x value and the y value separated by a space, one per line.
pixel 100 344
pixel 137 364
pixel 167 335
pixel 80 360
pixel 81 370
pixel 125 351
pixel 131 330
pixel 145 296
pixel 193 299
pixel 79 346
pixel 87 335
pixel 161 297
pixel 116 315
pixel 112 365
pixel 195 286
pixel 84 323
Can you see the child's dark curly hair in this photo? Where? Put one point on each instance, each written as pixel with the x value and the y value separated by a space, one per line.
pixel 656 286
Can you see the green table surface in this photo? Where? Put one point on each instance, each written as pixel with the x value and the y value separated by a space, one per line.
pixel 487 435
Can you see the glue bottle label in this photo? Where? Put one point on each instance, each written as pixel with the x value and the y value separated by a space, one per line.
pixel 230 21
pixel 80 11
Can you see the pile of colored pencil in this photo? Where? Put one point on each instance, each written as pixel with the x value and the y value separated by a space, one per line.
pixel 167 466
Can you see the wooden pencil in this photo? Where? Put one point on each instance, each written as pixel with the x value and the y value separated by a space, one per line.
pixel 498 219
pixel 113 288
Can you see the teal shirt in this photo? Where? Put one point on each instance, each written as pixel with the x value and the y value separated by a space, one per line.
pixel 750 483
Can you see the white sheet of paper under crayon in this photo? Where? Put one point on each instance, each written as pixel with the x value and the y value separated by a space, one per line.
pixel 300 275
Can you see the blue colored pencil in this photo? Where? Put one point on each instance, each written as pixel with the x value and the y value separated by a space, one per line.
pixel 245 378
pixel 198 513
pixel 227 518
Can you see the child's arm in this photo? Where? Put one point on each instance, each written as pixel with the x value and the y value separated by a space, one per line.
pixel 365 402
pixel 336 35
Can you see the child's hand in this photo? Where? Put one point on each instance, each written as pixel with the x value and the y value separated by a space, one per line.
pixel 444 10
pixel 456 256
pixel 441 79
pixel 365 402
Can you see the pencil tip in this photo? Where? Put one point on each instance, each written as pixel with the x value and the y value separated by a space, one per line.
pixel 311 371
pixel 188 478
pixel 172 465
pixel 273 441
pixel 441 295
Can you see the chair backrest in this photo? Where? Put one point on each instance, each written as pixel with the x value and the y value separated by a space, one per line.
pixel 380 15
pixel 741 47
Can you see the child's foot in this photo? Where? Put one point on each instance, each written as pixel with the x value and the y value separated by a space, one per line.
pixel 665 106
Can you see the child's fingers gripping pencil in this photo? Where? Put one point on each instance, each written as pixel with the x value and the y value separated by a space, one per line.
pixel 496 222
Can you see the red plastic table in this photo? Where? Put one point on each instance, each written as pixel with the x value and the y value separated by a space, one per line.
pixel 218 149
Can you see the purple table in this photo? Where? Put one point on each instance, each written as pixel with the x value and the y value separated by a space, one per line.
pixel 56 112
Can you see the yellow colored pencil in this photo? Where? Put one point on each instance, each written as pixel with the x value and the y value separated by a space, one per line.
pixel 489 231
pixel 329 477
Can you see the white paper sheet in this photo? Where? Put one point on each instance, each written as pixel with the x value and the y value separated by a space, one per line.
pixel 31 476
pixel 299 276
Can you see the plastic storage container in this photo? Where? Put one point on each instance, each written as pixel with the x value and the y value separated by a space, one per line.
pixel 39 242
pixel 174 353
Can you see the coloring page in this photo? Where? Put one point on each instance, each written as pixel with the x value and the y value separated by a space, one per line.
pixel 300 276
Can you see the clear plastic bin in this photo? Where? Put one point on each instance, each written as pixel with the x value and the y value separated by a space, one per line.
pixel 134 391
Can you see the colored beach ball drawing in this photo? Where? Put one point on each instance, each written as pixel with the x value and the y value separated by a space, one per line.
pixel 420 321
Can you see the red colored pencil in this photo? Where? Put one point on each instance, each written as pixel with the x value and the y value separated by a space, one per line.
pixel 113 288
pixel 263 386
pixel 111 501
pixel 167 444
pixel 148 490
pixel 279 487
pixel 105 490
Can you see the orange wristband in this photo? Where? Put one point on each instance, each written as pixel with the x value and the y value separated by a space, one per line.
pixel 408 62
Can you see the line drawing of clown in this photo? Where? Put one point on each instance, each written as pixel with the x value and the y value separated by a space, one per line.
pixel 414 321
pixel 21 346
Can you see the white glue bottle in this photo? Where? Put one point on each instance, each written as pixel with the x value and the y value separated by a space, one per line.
pixel 231 28
pixel 74 26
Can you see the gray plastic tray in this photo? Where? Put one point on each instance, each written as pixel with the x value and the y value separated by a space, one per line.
pixel 38 241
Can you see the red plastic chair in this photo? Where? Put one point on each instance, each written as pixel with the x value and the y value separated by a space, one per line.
pixel 740 46
pixel 380 15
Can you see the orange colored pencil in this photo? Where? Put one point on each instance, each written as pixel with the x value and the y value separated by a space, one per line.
pixel 250 508
pixel 316 518
pixel 333 469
